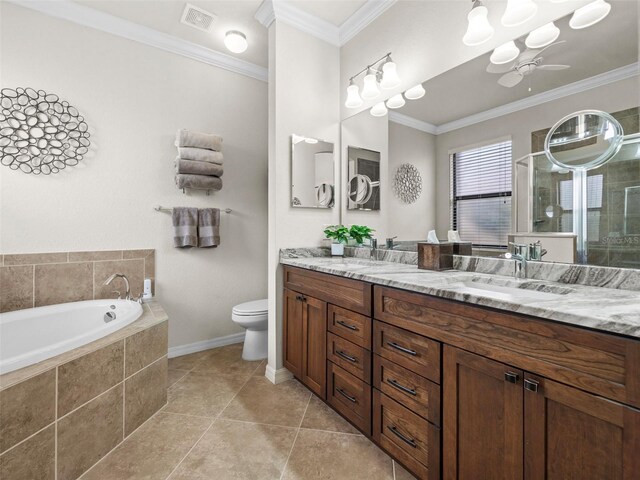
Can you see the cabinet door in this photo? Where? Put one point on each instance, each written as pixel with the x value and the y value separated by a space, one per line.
pixel 314 373
pixel 293 339
pixel 482 418
pixel 571 434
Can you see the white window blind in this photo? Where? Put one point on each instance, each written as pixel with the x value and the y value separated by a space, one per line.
pixel 481 194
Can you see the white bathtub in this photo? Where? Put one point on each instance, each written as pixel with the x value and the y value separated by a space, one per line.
pixel 35 334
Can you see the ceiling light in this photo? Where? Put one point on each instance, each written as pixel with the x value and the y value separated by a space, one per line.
pixel 505 53
pixel 312 141
pixel 390 78
pixel 235 41
pixel 543 36
pixel 353 96
pixel 397 101
pixel 518 12
pixel 479 29
pixel 589 14
pixel 370 89
pixel 415 93
pixel 379 110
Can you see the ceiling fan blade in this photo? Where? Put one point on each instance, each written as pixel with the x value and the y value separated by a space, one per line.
pixel 504 68
pixel 553 67
pixel 510 79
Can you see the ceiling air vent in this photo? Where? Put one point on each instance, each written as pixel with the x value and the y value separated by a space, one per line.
pixel 197 17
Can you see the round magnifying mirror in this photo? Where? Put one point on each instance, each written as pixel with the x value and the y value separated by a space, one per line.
pixel 360 189
pixel 583 140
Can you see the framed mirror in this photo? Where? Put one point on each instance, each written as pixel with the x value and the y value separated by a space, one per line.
pixel 363 186
pixel 312 173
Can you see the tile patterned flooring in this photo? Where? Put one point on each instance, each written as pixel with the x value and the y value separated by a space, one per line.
pixel 225 420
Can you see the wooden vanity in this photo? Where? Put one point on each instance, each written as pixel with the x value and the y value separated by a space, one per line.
pixel 457 391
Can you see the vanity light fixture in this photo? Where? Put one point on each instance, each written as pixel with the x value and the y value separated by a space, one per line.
pixel 235 41
pixel 353 95
pixel 479 29
pixel 379 110
pixel 397 101
pixel 519 12
pixel 589 14
pixel 543 36
pixel 390 78
pixel 505 53
pixel 370 89
pixel 415 93
pixel 380 74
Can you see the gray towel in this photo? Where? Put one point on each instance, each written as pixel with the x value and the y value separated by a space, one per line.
pixel 194 167
pixel 200 154
pixel 198 182
pixel 185 227
pixel 208 227
pixel 188 138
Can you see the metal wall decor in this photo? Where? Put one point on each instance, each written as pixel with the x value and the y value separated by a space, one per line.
pixel 39 133
pixel 407 183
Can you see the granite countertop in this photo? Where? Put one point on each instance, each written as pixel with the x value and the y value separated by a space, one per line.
pixel 604 309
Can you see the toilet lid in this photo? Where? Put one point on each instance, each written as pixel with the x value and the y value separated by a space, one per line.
pixel 256 307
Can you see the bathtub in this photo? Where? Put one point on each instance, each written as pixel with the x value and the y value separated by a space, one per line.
pixel 35 334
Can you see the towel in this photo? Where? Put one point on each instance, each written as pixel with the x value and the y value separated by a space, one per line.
pixel 198 182
pixel 198 168
pixel 185 227
pixel 187 138
pixel 208 227
pixel 200 154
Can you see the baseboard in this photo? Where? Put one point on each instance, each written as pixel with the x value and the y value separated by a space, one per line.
pixel 277 376
pixel 205 345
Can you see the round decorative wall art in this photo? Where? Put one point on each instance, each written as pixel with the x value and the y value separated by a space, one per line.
pixel 39 133
pixel 407 183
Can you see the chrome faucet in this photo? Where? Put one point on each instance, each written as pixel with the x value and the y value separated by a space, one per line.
pixel 374 248
pixel 390 243
pixel 126 284
pixel 520 264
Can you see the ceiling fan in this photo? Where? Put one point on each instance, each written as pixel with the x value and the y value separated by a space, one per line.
pixel 527 62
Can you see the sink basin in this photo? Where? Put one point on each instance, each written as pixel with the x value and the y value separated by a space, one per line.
pixel 519 291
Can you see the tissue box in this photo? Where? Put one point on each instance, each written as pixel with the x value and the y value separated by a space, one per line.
pixel 435 256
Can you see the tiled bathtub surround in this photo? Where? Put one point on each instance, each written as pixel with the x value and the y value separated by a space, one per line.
pixel 71 410
pixel 36 279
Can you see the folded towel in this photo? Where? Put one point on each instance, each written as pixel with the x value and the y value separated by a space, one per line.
pixel 187 138
pixel 185 227
pixel 200 155
pixel 198 182
pixel 194 167
pixel 208 227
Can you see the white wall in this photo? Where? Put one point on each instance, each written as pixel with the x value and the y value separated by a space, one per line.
pixel 134 98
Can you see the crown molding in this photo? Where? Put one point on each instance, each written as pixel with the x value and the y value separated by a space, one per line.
pixel 90 17
pixel 411 122
pixel 362 17
pixel 265 15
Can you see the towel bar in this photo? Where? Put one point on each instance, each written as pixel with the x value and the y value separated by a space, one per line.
pixel 160 208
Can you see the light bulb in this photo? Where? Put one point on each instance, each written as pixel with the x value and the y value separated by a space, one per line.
pixel 235 41
pixel 379 110
pixel 370 88
pixel 543 36
pixel 518 12
pixel 589 14
pixel 505 53
pixel 353 97
pixel 415 93
pixel 390 78
pixel 479 29
pixel 397 101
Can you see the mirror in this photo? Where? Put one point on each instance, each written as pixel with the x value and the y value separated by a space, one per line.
pixel 363 187
pixel 312 173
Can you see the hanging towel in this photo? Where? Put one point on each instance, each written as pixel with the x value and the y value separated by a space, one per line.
pixel 198 182
pixel 208 227
pixel 198 168
pixel 200 154
pixel 185 227
pixel 188 138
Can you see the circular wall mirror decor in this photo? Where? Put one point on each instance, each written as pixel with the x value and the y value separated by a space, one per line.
pixel 407 183
pixel 39 132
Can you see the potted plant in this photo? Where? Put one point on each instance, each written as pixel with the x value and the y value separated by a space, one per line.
pixel 360 233
pixel 339 235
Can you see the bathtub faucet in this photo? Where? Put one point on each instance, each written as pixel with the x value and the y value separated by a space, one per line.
pixel 126 284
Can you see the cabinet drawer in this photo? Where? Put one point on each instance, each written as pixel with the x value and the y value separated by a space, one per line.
pixel 413 391
pixel 353 358
pixel 350 325
pixel 345 292
pixel 350 396
pixel 419 354
pixel 408 437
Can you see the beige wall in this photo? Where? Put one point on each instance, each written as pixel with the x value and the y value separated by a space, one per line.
pixel 134 98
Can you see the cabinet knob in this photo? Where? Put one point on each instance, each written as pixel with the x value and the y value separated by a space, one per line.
pixel 511 377
pixel 531 385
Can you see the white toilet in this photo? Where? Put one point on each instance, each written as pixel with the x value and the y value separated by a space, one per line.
pixel 254 317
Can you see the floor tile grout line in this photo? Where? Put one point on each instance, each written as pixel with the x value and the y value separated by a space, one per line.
pixel 284 467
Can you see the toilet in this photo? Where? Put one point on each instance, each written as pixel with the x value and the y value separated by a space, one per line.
pixel 254 317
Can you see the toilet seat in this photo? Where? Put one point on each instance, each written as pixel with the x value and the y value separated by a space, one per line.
pixel 251 309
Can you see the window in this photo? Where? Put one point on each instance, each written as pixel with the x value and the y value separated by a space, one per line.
pixel 594 205
pixel 481 194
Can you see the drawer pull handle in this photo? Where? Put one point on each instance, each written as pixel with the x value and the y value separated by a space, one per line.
pixel 511 377
pixel 402 349
pixel 346 357
pixel 531 385
pixel 408 390
pixel 406 440
pixel 346 325
pixel 346 395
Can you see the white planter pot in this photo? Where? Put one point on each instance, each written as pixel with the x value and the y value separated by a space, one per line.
pixel 337 249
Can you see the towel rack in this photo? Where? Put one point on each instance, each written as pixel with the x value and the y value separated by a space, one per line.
pixel 160 208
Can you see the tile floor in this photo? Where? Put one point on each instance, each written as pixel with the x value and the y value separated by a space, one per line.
pixel 224 420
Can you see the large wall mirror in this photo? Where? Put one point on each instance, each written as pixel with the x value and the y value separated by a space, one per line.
pixel 312 173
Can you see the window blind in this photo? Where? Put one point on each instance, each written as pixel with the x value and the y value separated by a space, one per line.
pixel 481 194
